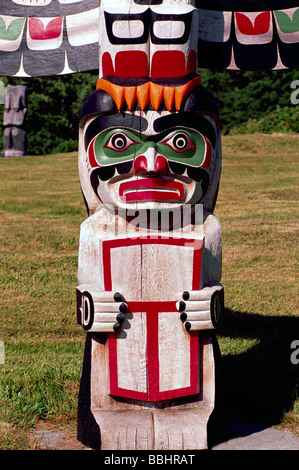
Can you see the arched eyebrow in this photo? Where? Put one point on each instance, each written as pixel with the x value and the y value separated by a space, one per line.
pixel 186 120
pixel 162 126
pixel 109 121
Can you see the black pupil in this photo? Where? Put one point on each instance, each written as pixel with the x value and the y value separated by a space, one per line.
pixel 119 141
pixel 180 141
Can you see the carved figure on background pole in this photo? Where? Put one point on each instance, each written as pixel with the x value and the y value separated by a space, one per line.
pixel 149 269
pixel 15 111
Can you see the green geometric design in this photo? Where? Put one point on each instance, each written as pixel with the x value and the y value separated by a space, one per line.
pixel 106 156
pixel 287 24
pixel 13 31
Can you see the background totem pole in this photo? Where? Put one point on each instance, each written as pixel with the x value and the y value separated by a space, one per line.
pixel 149 293
pixel 15 111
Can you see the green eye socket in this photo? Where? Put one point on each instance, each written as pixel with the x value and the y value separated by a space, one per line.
pixel 117 146
pixel 184 146
pixel 114 146
pixel 179 142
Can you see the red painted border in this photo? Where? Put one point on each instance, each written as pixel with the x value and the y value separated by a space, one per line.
pixel 153 309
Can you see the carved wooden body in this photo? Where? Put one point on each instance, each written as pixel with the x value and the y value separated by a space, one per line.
pixel 153 378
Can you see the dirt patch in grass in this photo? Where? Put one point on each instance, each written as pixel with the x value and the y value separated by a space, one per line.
pixel 50 436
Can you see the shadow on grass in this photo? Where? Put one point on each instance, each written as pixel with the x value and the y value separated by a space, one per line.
pixel 257 387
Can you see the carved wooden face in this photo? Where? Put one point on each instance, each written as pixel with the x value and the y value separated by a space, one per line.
pixel 150 160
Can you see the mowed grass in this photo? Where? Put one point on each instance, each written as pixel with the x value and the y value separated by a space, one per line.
pixel 258 209
pixel 41 209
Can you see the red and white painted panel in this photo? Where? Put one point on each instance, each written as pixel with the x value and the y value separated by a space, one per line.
pixel 153 357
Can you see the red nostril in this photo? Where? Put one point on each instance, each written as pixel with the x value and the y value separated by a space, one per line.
pixel 140 164
pixel 161 164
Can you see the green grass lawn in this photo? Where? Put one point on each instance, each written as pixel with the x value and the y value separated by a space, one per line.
pixel 41 209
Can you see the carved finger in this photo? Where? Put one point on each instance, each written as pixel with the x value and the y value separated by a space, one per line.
pixel 107 296
pixel 110 307
pixel 193 306
pixel 108 317
pixel 202 294
pixel 102 327
pixel 198 325
pixel 99 295
pixel 195 316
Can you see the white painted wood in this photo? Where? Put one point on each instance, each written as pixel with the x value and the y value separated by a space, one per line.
pixel 166 270
pixel 174 352
pixel 131 348
pixel 126 271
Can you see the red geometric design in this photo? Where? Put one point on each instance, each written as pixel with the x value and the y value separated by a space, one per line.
pixel 261 24
pixel 152 310
pixel 127 64
pixel 38 32
pixel 167 64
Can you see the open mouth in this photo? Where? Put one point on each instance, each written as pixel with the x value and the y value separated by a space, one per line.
pixel 151 189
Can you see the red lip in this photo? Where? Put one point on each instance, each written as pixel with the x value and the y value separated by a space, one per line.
pixel 151 189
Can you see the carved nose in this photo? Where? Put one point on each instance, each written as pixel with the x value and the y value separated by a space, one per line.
pixel 150 162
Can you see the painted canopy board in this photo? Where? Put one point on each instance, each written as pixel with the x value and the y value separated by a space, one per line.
pixel 48 37
pixel 51 37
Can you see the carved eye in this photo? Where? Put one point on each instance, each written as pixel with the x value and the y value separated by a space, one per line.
pixel 119 142
pixel 180 142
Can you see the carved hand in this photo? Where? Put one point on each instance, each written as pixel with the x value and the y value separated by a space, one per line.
pixel 202 309
pixel 101 312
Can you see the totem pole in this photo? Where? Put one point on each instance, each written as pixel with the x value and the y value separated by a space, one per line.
pixel 149 294
pixel 15 111
pixel 149 153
